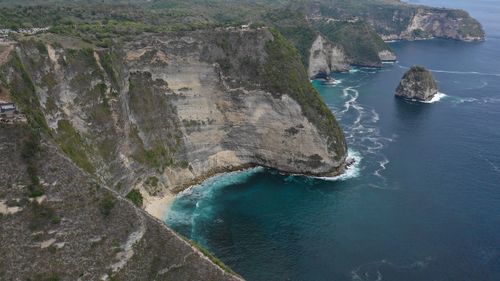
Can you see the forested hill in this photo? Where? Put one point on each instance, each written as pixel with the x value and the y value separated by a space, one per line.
pixel 103 22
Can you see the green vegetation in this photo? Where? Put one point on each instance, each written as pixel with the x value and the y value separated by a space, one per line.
pixel 210 256
pixel 72 144
pixel 46 277
pixel 152 181
pixel 136 197
pixel 107 204
pixel 23 93
pixel 30 149
pixel 291 22
pixel 360 42
pixel 159 157
pixel 161 151
pixel 421 75
pixel 470 27
pixel 107 63
pixel 285 74
pixel 50 105
pixel 49 80
pixel 101 110
pixel 42 215
pixel 379 12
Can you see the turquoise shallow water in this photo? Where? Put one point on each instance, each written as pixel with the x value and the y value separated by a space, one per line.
pixel 423 203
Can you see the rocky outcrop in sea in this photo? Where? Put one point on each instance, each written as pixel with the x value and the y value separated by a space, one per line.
pixel 417 84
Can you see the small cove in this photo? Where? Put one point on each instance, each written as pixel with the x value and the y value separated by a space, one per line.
pixel 422 205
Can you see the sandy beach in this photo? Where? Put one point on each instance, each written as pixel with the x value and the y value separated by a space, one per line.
pixel 158 206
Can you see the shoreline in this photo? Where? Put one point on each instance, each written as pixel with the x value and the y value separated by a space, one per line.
pixel 159 206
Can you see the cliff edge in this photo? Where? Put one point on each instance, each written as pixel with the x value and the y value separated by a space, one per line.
pixel 155 115
pixel 174 108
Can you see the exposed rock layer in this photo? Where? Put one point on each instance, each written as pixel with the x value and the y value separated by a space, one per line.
pixel 441 23
pixel 179 107
pixel 342 44
pixel 395 20
pixel 417 84
pixel 326 57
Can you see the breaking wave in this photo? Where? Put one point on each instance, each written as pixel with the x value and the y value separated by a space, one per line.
pixel 360 124
pixel 372 271
pixel 351 172
pixel 437 97
pixel 196 195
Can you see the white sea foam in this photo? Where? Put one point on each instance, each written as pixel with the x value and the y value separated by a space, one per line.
pixel 351 102
pixel 351 172
pixel 483 84
pixel 375 117
pixel 372 271
pixel 203 192
pixel 493 166
pixel 363 134
pixel 382 167
pixel 332 83
pixel 482 100
pixel 224 179
pixel 437 97
pixel 457 72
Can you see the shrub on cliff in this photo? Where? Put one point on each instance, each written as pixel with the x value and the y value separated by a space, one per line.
pixel 285 74
pixel 136 197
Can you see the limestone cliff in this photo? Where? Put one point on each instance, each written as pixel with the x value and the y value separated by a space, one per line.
pixel 159 113
pixel 397 20
pixel 387 56
pixel 428 23
pixel 179 107
pixel 326 57
pixel 417 84
pixel 343 43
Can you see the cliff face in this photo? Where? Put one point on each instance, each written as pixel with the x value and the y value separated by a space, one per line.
pixel 326 57
pixel 417 84
pixel 395 20
pixel 441 23
pixel 343 43
pixel 159 113
pixel 179 107
pixel 67 226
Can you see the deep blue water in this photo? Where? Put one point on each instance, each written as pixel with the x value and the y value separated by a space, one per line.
pixel 422 204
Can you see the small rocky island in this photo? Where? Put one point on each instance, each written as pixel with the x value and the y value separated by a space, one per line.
pixel 417 84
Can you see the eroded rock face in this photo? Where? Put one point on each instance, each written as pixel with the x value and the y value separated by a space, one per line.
pixel 387 55
pixel 326 57
pixel 181 107
pixel 417 84
pixel 398 20
pixel 426 23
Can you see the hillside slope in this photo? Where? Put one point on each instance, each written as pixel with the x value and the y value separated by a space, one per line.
pixel 67 226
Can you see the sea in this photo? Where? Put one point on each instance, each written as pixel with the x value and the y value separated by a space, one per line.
pixel 422 201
